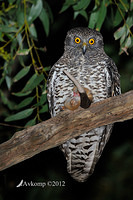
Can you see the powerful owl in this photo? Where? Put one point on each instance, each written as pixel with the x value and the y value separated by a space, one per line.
pixel 84 58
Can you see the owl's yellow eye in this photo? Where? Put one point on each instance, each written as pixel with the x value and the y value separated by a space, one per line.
pixel 77 40
pixel 91 41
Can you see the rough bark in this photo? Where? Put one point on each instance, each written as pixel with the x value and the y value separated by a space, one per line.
pixel 67 124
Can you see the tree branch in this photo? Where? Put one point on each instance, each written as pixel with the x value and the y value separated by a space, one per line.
pixel 67 124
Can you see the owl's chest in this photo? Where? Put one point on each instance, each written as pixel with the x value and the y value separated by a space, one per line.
pixel 91 76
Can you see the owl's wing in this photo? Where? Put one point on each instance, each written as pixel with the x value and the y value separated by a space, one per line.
pixel 50 87
pixel 54 84
pixel 112 78
pixel 113 88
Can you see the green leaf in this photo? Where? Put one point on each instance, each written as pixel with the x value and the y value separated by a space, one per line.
pixel 84 14
pixel 21 74
pixel 45 20
pixel 122 39
pixel 101 16
pixel 32 82
pixel 33 31
pixel 20 16
pixel 128 42
pixel 22 60
pixel 13 48
pixel 93 17
pixel 20 39
pixel 21 94
pixel 117 19
pixel 82 4
pixel 131 5
pixel 66 5
pixel 129 21
pixel 76 13
pixel 7 29
pixel 44 109
pixel 49 11
pixel 8 82
pixel 47 68
pixel 81 12
pixel 35 11
pixel 32 122
pixel 124 5
pixel 120 31
pixel 23 52
pixel 43 99
pixel 24 103
pixel 20 115
pixel 64 8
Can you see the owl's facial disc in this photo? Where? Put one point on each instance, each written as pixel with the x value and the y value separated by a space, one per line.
pixel 84 47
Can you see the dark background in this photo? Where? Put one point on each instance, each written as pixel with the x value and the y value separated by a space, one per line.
pixel 113 175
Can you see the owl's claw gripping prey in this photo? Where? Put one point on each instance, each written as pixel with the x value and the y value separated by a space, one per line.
pixel 82 96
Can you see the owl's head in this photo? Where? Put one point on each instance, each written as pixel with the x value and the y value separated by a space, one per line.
pixel 84 40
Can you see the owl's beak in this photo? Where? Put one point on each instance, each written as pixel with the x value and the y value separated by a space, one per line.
pixel 84 47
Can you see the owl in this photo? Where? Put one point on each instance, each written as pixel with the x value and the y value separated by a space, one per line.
pixel 84 58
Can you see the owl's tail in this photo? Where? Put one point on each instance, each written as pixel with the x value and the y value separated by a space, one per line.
pixel 83 152
pixel 80 165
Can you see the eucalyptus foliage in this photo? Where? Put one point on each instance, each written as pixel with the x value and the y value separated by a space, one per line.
pixel 18 36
